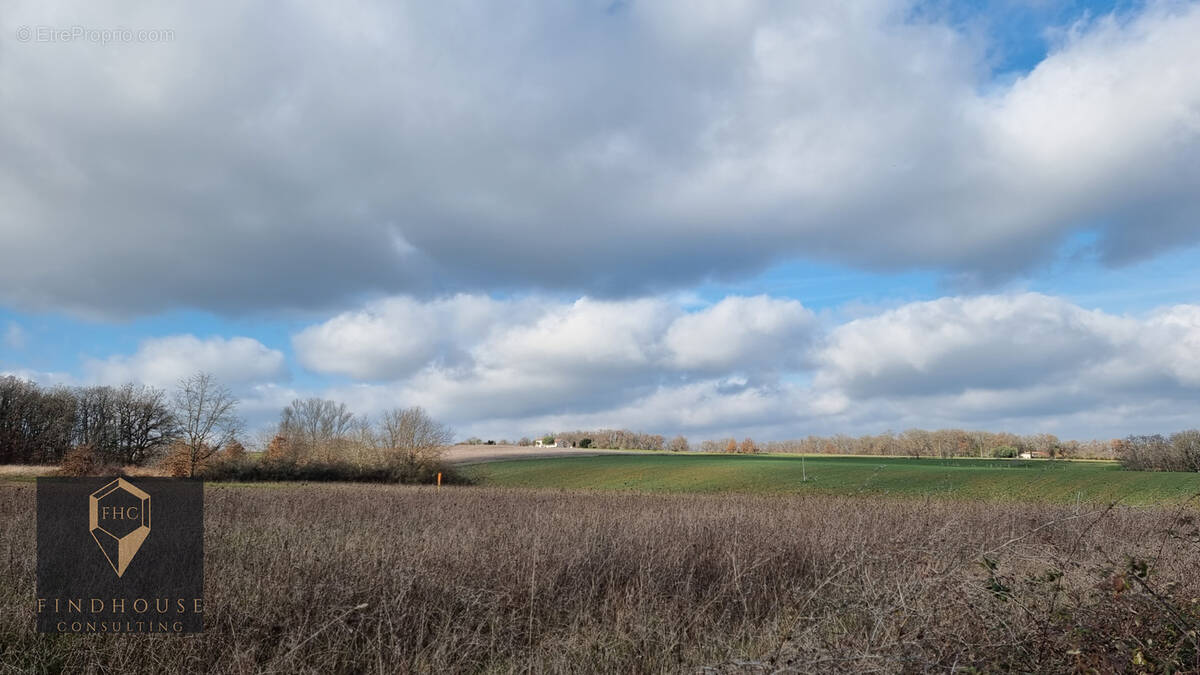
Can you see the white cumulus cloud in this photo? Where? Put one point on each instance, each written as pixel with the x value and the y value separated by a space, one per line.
pixel 765 366
pixel 163 361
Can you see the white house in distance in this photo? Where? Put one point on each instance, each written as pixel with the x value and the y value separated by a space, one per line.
pixel 558 443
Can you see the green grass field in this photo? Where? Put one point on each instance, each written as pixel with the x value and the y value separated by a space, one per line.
pixel 987 479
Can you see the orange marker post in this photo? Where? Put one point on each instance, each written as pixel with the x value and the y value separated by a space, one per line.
pixel 439 481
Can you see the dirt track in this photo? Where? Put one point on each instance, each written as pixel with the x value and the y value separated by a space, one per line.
pixel 477 454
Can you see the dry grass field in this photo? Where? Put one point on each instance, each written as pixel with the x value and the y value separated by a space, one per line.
pixel 25 471
pixel 342 578
pixel 30 472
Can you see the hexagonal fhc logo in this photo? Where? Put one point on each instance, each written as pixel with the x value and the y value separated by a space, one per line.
pixel 119 519
pixel 120 555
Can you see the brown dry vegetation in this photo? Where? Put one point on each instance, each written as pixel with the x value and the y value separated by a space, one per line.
pixel 473 579
pixel 27 470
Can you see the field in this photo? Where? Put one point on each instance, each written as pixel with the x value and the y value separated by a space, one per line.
pixel 672 563
pixel 987 479
pixel 329 578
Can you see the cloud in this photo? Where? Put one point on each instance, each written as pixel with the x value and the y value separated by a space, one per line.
pixel 981 347
pixel 431 148
pixel 162 362
pixel 1173 340
pixel 764 366
pixel 586 338
pixel 395 337
pixel 42 377
pixel 760 331
pixel 954 344
pixel 1019 362
pixel 760 366
pixel 15 336
pixel 532 357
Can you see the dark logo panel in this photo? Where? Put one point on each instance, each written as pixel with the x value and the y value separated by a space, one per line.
pixel 120 555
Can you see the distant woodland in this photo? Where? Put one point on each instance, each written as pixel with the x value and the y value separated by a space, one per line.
pixel 135 424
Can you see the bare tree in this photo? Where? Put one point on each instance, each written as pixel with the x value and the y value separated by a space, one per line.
pixel 207 415
pixel 412 437
pixel 95 418
pixel 678 444
pixel 1044 443
pixel 1187 448
pixel 317 428
pixel 144 422
pixel 917 442
pixel 364 441
pixel 35 425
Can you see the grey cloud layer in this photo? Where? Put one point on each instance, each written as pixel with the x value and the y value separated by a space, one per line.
pixel 317 155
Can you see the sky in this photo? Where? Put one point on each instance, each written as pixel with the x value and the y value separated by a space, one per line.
pixel 702 217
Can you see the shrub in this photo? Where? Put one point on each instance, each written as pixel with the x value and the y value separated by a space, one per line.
pixel 234 452
pixel 1004 452
pixel 281 450
pixel 585 443
pixel 179 463
pixel 1178 452
pixel 82 460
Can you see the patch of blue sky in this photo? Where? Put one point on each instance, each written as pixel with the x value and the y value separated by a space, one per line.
pixel 56 342
pixel 1076 274
pixel 822 285
pixel 1018 34
pixel 1169 278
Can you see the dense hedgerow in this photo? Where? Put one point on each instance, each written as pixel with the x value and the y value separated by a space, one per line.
pixel 265 470
pixel 1177 452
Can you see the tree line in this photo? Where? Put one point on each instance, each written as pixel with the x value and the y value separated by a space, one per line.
pixel 943 443
pixel 1178 452
pixel 128 424
pixel 910 443
pixel 196 427
pixel 611 439
pixel 197 424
